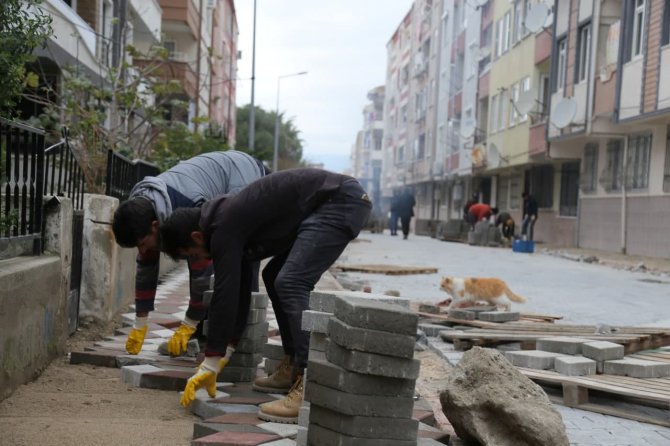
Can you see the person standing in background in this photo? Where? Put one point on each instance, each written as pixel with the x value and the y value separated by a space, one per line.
pixel 406 204
pixel 393 213
pixel 530 209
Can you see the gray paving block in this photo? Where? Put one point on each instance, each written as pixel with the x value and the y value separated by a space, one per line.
pixel 255 331
pixel 575 366
pixel 372 363
pixel 533 359
pixel 317 341
pixel 432 330
pixel 248 345
pixel 330 375
pixel 301 438
pixel 352 404
pixel 375 315
pixel 479 308
pixel 320 436
pixel 463 315
pixel 237 374
pixel 371 341
pixel 499 316
pixel 364 427
pixel 303 414
pixel 637 368
pixel 259 300
pixel 562 344
pixel 245 359
pixel 273 350
pixel 602 350
pixel 256 315
pixel 325 300
pixel 315 321
pixel 132 374
pixel 202 429
pixel 270 365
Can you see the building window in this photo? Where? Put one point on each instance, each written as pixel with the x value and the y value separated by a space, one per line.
pixel 542 185
pixel 569 189
pixel 400 154
pixel 562 48
pixel 502 109
pixel 515 192
pixel 638 27
pixel 507 28
pixel 499 38
pixel 420 147
pixel 590 168
pixel 665 36
pixel 666 171
pixel 524 86
pixel 517 22
pixel 637 171
pixel 583 52
pixel 494 111
pixel 503 194
pixel 514 116
pixel 611 177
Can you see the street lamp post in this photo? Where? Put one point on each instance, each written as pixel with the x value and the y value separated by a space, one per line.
pixel 275 157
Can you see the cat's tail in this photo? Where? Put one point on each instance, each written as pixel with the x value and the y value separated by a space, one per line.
pixel 514 297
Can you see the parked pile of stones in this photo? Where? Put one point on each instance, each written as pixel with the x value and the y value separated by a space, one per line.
pixel 361 373
pixel 574 356
pixel 249 352
pixel 484 313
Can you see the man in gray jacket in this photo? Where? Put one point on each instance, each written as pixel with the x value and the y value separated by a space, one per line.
pixel 137 221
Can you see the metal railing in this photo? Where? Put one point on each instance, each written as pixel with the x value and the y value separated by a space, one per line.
pixel 28 171
pixel 123 173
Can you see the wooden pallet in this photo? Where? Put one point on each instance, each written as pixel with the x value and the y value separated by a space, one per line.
pixel 393 270
pixel 646 400
pixel 633 339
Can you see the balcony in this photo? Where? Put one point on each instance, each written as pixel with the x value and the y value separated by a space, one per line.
pixel 146 16
pixel 537 139
pixel 543 44
pixel 173 70
pixel 483 86
pixel 183 11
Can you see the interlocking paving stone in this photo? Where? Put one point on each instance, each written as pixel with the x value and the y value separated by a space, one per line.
pixel 101 358
pixel 575 366
pixel 248 345
pixel 328 296
pixel 165 379
pixel 234 439
pixel 362 426
pixel 375 315
pixel 236 418
pixel 602 350
pixel 204 428
pixel 331 375
pixel 132 375
pixel 364 405
pixel 245 360
pixel 258 398
pixel 637 368
pixel 281 429
pixel 499 316
pixel 562 344
pixel 237 374
pixel 371 341
pixel 463 315
pixel 372 364
pixel 273 350
pixel 533 359
pixel 315 321
pixel 320 436
pixel 317 342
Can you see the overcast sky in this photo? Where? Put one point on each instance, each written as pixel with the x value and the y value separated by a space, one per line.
pixel 342 46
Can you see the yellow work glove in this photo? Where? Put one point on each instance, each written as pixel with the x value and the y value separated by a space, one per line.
pixel 136 335
pixel 205 377
pixel 177 343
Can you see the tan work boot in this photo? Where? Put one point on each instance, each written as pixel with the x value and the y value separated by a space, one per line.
pixel 279 381
pixel 286 409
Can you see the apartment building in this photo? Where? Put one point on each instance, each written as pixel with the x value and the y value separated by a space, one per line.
pixel 410 110
pixel 366 154
pixel 612 109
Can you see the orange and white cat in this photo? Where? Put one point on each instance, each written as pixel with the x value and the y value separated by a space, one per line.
pixel 474 289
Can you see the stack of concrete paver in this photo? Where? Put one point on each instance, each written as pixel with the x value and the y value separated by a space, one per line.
pixel 488 313
pixel 243 364
pixel 573 356
pixel 364 392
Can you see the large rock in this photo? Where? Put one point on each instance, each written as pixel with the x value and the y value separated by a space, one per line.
pixel 489 401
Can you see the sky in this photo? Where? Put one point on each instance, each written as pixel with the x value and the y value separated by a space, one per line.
pixel 342 46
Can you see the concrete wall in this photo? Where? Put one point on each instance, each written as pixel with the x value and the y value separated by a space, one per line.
pixel 108 272
pixel 33 303
pixel 600 223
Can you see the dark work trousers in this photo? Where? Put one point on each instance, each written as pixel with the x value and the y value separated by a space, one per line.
pixel 528 227
pixel 393 223
pixel 404 222
pixel 290 277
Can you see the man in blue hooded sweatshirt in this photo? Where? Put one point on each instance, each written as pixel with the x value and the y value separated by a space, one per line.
pixel 137 221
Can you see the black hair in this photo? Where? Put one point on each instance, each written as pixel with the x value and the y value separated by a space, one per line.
pixel 494 210
pixel 132 221
pixel 175 232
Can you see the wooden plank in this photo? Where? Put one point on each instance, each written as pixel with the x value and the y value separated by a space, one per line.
pixel 574 395
pixel 394 270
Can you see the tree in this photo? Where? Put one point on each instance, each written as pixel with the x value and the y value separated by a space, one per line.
pixel 290 144
pixel 23 27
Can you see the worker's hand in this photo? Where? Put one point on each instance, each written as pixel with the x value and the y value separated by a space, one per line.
pixel 533 217
pixel 136 336
pixel 205 377
pixel 177 343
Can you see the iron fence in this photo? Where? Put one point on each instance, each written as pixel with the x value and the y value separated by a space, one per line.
pixel 28 171
pixel 123 173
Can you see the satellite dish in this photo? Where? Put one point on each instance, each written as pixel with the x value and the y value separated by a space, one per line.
pixel 564 112
pixel 493 156
pixel 468 128
pixel 536 17
pixel 526 102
